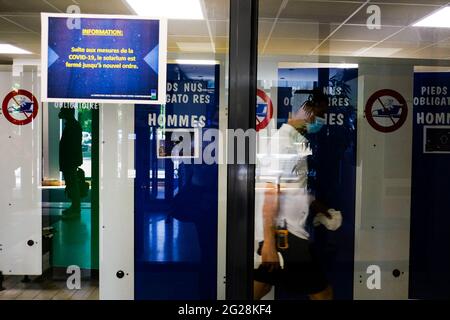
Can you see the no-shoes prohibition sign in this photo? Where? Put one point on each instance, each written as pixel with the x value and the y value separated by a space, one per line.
pixel 386 110
pixel 264 110
pixel 20 107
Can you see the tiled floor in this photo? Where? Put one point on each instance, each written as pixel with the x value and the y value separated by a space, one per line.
pixel 46 290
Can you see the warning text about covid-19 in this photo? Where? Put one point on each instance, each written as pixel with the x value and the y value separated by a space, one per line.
pixel 101 58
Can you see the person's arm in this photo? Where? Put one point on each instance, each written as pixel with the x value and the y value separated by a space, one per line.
pixel 269 254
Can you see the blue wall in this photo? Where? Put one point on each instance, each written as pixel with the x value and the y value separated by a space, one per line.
pixel 430 201
pixel 176 205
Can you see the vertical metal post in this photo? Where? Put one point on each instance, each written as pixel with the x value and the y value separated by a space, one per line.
pixel 241 177
pixel 95 210
pixel 2 278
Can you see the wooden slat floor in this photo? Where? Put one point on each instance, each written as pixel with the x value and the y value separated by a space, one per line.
pixel 46 290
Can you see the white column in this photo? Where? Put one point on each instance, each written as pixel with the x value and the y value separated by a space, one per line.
pixel 116 202
pixel 383 188
pixel 20 193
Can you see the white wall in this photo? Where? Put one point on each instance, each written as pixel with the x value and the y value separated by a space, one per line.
pixel 20 195
pixel 383 189
pixel 222 190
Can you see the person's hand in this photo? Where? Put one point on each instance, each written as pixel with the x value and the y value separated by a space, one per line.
pixel 269 257
pixel 332 221
pixel 298 124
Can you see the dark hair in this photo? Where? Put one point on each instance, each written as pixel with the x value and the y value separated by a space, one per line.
pixel 316 104
pixel 320 98
pixel 68 111
pixel 309 107
pixel 320 103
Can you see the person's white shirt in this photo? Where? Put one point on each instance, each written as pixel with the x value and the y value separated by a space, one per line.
pixel 285 163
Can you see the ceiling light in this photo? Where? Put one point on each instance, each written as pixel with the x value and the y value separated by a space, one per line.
pixel 10 49
pixel 311 65
pixel 438 19
pixel 199 62
pixel 377 52
pixel 171 9
pixel 195 46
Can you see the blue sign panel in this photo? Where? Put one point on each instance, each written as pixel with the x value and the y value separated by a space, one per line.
pixel 332 166
pixel 430 205
pixel 176 196
pixel 103 59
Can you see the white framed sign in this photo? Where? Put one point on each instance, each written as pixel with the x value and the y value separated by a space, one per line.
pixel 103 58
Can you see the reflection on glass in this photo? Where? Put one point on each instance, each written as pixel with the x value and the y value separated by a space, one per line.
pixel 289 206
pixel 70 159
pixel 67 214
pixel 304 173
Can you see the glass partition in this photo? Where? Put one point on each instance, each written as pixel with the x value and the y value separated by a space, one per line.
pixel 352 122
pixel 113 210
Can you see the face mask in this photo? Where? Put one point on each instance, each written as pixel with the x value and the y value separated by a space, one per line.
pixel 316 125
